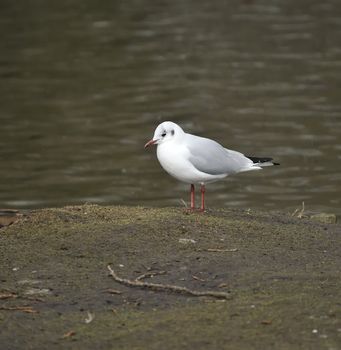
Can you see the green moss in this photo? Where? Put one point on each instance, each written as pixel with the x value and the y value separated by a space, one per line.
pixel 284 279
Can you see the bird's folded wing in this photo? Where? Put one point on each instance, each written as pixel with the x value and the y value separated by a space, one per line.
pixel 210 157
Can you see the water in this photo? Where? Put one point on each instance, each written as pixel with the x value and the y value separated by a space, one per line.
pixel 83 85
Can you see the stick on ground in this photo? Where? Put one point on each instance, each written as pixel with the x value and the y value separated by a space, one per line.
pixel 27 309
pixel 167 287
pixel 149 274
pixel 221 250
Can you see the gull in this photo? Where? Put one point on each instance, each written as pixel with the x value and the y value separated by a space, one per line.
pixel 198 160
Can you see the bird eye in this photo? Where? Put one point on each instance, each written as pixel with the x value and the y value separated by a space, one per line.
pixel 163 134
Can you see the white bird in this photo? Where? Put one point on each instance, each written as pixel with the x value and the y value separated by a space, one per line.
pixel 198 160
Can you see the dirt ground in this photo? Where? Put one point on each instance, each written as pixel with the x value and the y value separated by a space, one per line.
pixel 281 275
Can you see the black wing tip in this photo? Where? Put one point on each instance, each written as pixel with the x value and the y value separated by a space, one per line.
pixel 262 160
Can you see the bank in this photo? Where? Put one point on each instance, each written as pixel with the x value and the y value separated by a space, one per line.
pixel 280 275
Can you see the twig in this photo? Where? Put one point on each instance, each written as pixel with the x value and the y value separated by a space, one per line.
pixel 166 287
pixel 113 291
pixel 198 278
pixel 266 322
pixel 31 298
pixel 300 213
pixel 89 318
pixel 149 274
pixel 12 295
pixel 68 334
pixel 8 295
pixel 221 250
pixel 27 309
pixel 184 203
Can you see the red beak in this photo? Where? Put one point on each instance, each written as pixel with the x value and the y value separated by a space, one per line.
pixel 149 143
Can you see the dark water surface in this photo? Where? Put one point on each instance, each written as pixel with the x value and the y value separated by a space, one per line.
pixel 83 84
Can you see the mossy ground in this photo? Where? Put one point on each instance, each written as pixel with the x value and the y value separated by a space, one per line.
pixel 283 275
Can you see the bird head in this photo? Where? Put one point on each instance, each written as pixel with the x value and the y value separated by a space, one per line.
pixel 165 132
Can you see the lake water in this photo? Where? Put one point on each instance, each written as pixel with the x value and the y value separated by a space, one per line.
pixel 83 84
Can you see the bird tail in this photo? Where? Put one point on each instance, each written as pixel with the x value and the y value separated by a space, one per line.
pixel 262 161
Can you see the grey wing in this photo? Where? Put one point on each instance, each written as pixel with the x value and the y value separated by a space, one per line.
pixel 210 157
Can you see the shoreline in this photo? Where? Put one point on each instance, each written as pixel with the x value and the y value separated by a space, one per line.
pixel 282 274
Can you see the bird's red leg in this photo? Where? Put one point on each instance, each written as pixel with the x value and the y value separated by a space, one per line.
pixel 192 197
pixel 202 208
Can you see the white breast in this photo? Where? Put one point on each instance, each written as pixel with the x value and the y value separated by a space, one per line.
pixel 174 159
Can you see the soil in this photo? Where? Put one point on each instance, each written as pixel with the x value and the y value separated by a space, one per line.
pixel 281 273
